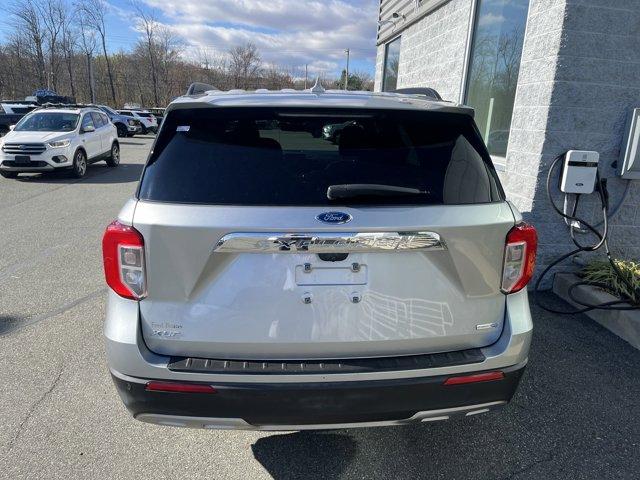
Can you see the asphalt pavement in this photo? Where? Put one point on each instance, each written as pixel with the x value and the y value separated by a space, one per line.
pixel 576 414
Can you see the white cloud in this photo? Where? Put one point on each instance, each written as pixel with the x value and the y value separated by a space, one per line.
pixel 291 33
pixel 491 19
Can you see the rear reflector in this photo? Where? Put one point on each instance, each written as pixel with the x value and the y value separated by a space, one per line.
pixel 476 378
pixel 179 387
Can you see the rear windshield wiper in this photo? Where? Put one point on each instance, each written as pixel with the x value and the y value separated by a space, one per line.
pixel 351 190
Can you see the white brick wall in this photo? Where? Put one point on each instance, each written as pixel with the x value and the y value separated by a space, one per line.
pixel 433 51
pixel 579 80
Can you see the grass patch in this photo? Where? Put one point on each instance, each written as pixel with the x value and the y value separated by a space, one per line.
pixel 601 272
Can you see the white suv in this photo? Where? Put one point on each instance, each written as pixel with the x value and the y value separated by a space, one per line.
pixel 49 139
pixel 147 119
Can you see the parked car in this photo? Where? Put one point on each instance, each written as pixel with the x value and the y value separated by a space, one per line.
pixel 49 139
pixel 147 120
pixel 264 278
pixel 125 125
pixel 332 132
pixel 11 112
pixel 158 113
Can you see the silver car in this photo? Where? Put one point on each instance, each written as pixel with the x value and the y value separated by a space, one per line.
pixel 264 277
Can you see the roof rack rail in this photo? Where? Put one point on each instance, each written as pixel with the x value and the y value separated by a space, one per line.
pixel 426 91
pixel 199 88
pixel 66 105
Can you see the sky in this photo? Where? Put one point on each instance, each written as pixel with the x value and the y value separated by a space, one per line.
pixel 290 33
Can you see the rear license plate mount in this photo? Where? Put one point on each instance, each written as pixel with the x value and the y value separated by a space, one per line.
pixel 331 276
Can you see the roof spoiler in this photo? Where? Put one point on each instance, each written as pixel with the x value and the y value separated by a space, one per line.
pixel 198 88
pixel 425 91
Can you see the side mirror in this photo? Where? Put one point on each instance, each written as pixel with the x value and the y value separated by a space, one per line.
pixel 88 129
pixel 11 127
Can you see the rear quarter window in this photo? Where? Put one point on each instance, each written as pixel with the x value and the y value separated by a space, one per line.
pixel 281 156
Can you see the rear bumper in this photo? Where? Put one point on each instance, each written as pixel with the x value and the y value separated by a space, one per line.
pixel 287 406
pixel 310 399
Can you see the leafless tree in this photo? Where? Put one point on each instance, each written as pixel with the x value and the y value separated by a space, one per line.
pixel 274 77
pixel 26 19
pixel 69 43
pixel 149 26
pixel 169 47
pixel 88 44
pixel 95 12
pixel 51 13
pixel 70 39
pixel 244 65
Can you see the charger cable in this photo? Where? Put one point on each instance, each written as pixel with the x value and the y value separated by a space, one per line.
pixel 572 221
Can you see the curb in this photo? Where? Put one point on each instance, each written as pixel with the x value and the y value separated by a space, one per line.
pixel 624 323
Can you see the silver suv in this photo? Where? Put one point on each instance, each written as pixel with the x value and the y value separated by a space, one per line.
pixel 267 277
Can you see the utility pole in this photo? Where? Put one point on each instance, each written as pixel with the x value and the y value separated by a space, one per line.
pixel 306 75
pixel 92 80
pixel 346 77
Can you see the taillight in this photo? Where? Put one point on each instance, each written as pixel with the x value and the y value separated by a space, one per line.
pixel 519 257
pixel 123 258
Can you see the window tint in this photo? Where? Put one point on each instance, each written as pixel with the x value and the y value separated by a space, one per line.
pixel 105 119
pixel 110 111
pixel 263 156
pixel 21 110
pixel 97 120
pixel 391 64
pixel 87 121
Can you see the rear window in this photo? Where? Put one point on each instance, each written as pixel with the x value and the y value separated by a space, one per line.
pixel 143 114
pixel 279 156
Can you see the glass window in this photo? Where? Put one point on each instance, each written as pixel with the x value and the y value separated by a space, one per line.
pixel 87 121
pixel 391 62
pixel 48 122
pixel 97 120
pixel 493 69
pixel 278 156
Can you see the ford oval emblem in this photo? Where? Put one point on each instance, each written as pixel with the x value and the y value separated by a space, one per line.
pixel 334 217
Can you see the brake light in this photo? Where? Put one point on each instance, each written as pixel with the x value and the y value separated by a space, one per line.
pixel 123 258
pixel 180 387
pixel 519 257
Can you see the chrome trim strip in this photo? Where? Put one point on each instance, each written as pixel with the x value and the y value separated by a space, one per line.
pixel 329 242
pixel 240 424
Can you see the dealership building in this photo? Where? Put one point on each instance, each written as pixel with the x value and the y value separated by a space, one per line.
pixel 544 77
